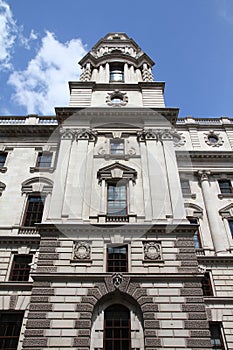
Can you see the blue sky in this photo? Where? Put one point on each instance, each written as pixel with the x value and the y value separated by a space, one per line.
pixel 191 42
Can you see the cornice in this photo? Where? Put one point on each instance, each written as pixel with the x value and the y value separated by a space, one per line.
pixel 116 85
pixel 220 259
pixel 26 130
pixel 204 154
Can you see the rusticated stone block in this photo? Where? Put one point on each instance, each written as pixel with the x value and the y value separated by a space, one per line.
pixel 84 332
pixel 80 324
pixel 132 287
pixel 81 341
pixel 186 257
pixel 191 291
pixel 187 269
pixel 51 256
pixel 38 324
pixel 109 285
pixel 202 343
pixel 151 324
pixel 197 316
pixel 94 292
pixel 191 263
pixel 36 315
pixel 196 324
pixel 39 284
pixel 194 300
pixel 41 307
pixel 45 263
pixel 187 250
pixel 90 300
pixel 150 307
pixel 46 249
pixel 150 333
pixel 46 269
pixel 39 299
pixel 200 334
pixel 34 333
pixel 192 284
pixel 148 315
pixel 82 307
pixel 85 315
pixel 144 300
pixel 42 291
pixel 102 288
pixel 152 342
pixel 52 243
pixel 193 308
pixel 139 292
pixel 184 243
pixel 35 342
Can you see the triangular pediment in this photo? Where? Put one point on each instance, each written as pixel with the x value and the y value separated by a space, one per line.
pixel 116 171
pixel 227 211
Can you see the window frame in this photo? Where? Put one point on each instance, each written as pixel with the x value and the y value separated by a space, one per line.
pixel 124 210
pixel 16 328
pixel 115 151
pixel 186 190
pixel 225 190
pixel 116 69
pixel 15 271
pixel 197 235
pixel 38 213
pixel 230 225
pixel 4 155
pixel 117 326
pixel 221 336
pixel 116 262
pixel 42 164
pixel 207 285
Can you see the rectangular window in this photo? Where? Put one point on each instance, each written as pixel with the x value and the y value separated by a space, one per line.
pixel 44 159
pixel 216 336
pixel 185 186
pixel 116 72
pixel 225 186
pixel 117 199
pixel 20 268
pixel 117 147
pixel 117 259
pixel 230 222
pixel 10 326
pixel 196 236
pixel 207 285
pixel 34 210
pixel 3 156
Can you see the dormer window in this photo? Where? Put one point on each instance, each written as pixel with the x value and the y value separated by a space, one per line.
pixel 116 72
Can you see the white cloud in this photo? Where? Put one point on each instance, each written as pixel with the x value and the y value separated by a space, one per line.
pixel 225 10
pixel 43 84
pixel 8 33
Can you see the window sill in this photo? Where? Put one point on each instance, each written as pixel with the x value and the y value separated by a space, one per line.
pixel 225 195
pixel 41 169
pixel 190 195
pixel 3 169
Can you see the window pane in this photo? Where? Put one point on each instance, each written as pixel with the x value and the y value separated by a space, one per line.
pixel 34 210
pixel 206 285
pixel 3 156
pixel 230 222
pixel 185 186
pixel 117 147
pixel 225 186
pixel 117 259
pixel 10 326
pixel 117 201
pixel 216 336
pixel 20 268
pixel 44 159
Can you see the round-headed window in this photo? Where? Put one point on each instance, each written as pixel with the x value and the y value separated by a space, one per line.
pixel 213 139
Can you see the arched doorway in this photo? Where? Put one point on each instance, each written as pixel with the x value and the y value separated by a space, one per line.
pixel 117 332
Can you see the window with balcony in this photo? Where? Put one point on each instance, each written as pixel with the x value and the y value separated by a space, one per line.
pixel 117 147
pixel 117 333
pixel 20 268
pixel 216 336
pixel 34 210
pixel 117 199
pixel 3 156
pixel 207 285
pixel 44 159
pixel 225 186
pixel 116 72
pixel 10 326
pixel 117 259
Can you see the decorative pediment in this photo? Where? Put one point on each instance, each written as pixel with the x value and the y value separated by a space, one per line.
pixel 37 184
pixel 227 211
pixel 117 171
pixel 193 210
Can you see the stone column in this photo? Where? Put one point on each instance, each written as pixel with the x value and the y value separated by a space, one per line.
pixel 131 197
pixel 107 73
pixel 176 198
pixel 219 242
pixel 88 179
pixel 103 197
pixel 62 166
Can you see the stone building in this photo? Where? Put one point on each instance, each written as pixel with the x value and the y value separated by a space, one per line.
pixel 116 217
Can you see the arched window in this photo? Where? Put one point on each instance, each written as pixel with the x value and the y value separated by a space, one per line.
pixel 117 328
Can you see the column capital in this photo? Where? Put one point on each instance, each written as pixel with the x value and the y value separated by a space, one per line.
pixel 86 134
pixel 156 135
pixel 203 175
pixel 66 134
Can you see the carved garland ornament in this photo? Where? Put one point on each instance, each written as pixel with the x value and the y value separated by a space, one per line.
pixel 152 251
pixel 82 250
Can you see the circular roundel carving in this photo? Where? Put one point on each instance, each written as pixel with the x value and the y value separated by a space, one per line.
pixel 213 139
pixel 117 99
pixel 152 251
pixel 82 250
